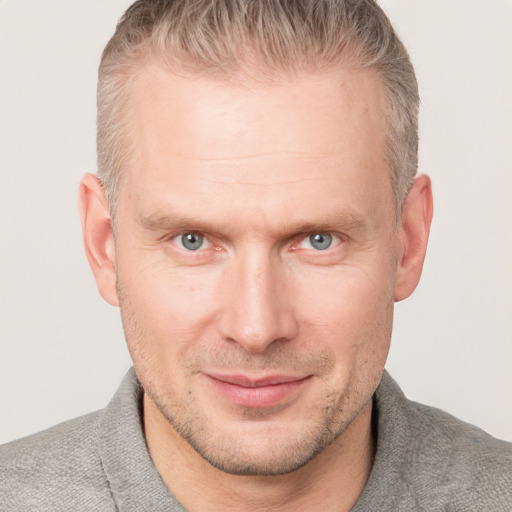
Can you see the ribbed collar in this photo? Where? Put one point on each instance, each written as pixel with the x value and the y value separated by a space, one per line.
pixel 387 485
pixel 134 481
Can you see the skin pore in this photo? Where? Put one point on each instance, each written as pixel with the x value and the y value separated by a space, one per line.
pixel 256 264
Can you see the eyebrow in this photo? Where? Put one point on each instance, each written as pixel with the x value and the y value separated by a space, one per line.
pixel 170 222
pixel 334 221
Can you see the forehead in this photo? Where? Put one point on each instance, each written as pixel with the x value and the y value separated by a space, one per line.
pixel 247 140
pixel 216 111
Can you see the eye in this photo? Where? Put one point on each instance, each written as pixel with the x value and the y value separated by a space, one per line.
pixel 191 241
pixel 318 241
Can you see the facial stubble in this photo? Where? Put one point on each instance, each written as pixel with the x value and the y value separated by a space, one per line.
pixel 231 454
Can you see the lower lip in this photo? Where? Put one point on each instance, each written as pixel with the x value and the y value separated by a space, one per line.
pixel 263 396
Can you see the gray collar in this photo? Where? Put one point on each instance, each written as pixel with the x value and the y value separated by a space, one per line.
pixel 134 481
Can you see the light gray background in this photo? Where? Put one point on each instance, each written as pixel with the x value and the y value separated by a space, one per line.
pixel 62 351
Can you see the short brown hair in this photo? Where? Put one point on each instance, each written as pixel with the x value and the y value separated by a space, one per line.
pixel 285 37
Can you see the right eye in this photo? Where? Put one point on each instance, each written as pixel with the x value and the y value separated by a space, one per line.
pixel 191 241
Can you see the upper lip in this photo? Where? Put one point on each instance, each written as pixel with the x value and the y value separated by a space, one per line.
pixel 256 382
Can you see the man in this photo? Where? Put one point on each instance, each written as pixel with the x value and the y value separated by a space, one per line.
pixel 255 216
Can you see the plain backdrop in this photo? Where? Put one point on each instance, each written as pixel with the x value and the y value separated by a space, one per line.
pixel 62 352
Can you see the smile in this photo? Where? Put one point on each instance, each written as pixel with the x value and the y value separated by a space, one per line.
pixel 262 392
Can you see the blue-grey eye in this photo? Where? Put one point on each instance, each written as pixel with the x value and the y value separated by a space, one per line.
pixel 320 241
pixel 192 241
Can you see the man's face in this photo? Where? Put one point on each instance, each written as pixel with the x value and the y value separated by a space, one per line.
pixel 256 257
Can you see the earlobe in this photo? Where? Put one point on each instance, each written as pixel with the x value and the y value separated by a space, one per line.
pixel 98 236
pixel 413 233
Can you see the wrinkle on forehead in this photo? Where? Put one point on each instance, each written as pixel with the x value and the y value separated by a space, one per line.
pixel 259 183
pixel 309 155
pixel 258 170
pixel 229 172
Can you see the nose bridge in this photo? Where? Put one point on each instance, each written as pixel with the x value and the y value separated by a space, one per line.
pixel 257 311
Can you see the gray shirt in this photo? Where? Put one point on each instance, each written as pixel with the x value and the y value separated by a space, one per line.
pixel 425 460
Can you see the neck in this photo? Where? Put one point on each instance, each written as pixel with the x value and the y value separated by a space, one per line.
pixel 333 480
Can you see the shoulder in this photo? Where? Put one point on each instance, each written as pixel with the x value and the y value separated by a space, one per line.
pixel 57 469
pixel 443 460
pixel 438 428
pixel 463 459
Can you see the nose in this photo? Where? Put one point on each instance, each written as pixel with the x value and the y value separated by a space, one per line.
pixel 258 302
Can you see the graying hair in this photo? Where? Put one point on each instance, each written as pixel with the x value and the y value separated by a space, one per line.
pixel 283 38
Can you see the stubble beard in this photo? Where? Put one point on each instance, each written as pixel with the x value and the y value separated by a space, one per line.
pixel 233 454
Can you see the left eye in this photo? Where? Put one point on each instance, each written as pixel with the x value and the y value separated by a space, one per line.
pixel 318 241
pixel 191 241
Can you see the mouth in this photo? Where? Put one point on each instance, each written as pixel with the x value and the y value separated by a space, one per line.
pixel 261 392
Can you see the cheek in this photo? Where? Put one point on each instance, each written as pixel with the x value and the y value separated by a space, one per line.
pixel 164 311
pixel 352 319
pixel 352 310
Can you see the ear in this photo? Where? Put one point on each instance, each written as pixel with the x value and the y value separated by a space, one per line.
pixel 413 236
pixel 98 236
